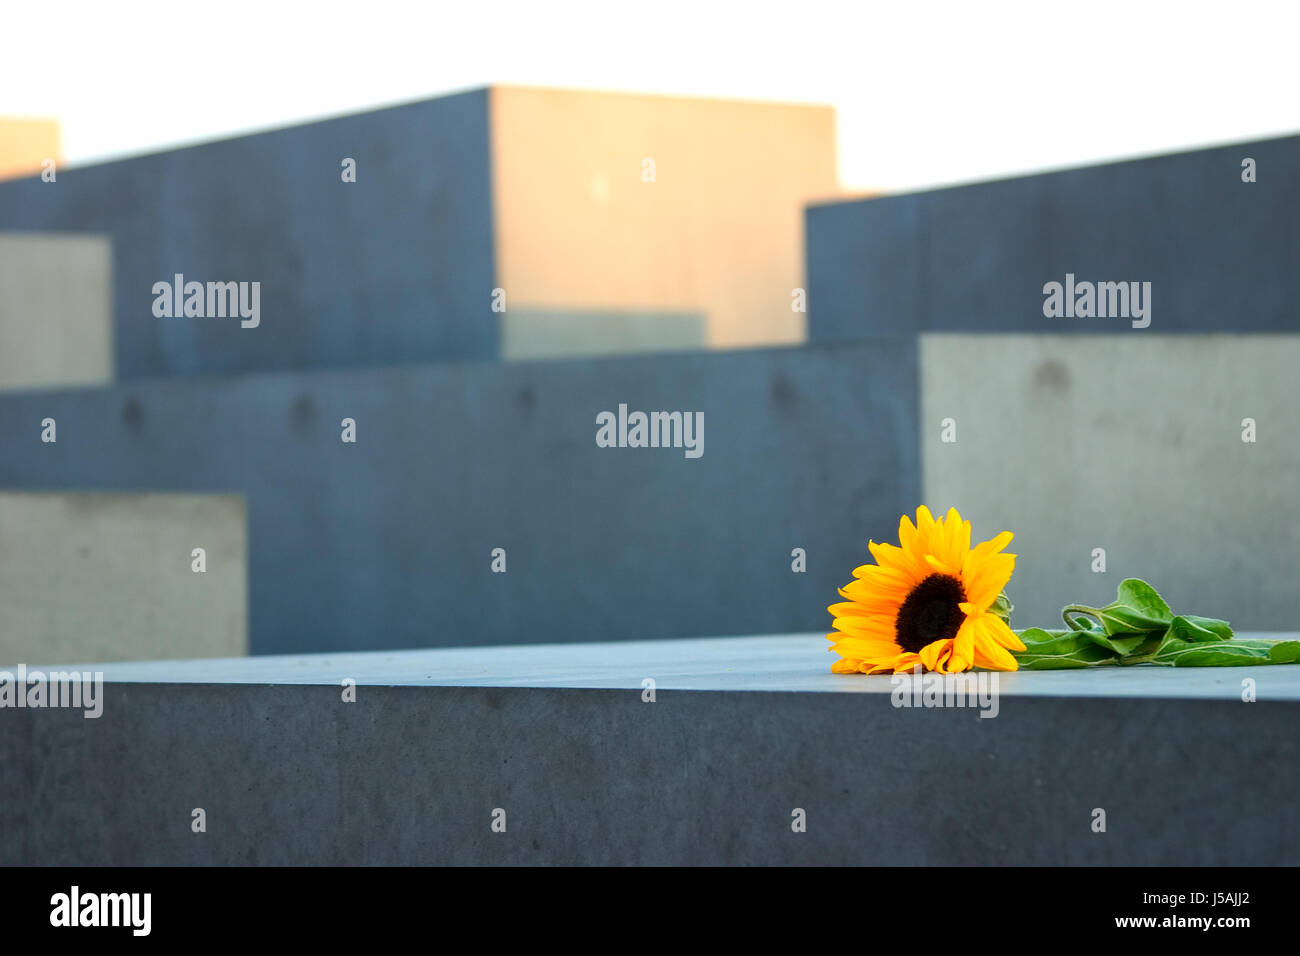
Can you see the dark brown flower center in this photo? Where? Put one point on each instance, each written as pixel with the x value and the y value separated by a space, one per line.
pixel 930 613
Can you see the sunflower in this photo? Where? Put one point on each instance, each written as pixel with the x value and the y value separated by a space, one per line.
pixel 935 601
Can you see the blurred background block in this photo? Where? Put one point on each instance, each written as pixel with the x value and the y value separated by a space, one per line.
pixel 541 333
pixel 109 577
pixel 26 143
pixel 388 542
pixel 395 267
pixel 1129 443
pixel 539 193
pixel 1221 254
pixel 56 323
pixel 718 229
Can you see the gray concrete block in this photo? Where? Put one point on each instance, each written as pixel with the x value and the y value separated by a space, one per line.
pixel 413 774
pixel 56 313
pixel 1129 443
pixel 537 192
pixel 395 267
pixel 389 541
pixel 777 662
pixel 111 577
pixel 1218 252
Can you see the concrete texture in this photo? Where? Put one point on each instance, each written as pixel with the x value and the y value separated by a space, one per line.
pixel 109 577
pixel 718 231
pixel 1128 443
pixel 293 774
pixel 25 143
pixel 1219 252
pixel 395 267
pixel 537 192
pixel 56 321
pixel 534 334
pixel 781 662
pixel 387 543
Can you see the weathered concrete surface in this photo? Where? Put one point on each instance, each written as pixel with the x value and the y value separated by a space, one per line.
pixel 110 577
pixel 1220 253
pixel 1128 443
pixel 389 540
pixel 543 333
pixel 293 774
pixel 395 267
pixel 539 193
pixel 783 662
pixel 56 312
pixel 618 202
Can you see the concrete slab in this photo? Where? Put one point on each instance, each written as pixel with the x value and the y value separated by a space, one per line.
pixel 542 194
pixel 104 576
pixel 975 258
pixel 26 144
pixel 613 202
pixel 394 267
pixel 787 662
pixel 1130 445
pixel 390 539
pixel 56 310
pixel 295 774
pixel 541 333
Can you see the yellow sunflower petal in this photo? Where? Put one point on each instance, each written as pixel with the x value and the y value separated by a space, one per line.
pixel 935 655
pixel 905 662
pixel 984 579
pixel 963 645
pixel 989 653
pixel 1000 631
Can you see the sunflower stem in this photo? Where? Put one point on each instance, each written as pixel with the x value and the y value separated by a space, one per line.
pixel 1072 623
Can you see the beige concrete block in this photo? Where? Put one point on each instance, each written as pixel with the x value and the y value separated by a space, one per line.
pixel 26 143
pixel 719 231
pixel 539 333
pixel 1131 443
pixel 88 577
pixel 56 310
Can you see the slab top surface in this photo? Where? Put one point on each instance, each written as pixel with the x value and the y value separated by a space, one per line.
pixel 787 662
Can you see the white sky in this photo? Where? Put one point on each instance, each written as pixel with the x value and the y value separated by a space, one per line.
pixel 926 93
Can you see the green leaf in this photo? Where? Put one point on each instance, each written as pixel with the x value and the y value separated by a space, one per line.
pixel 1091 656
pixel 1041 641
pixel 1227 653
pixel 1144 599
pixel 1120 645
pixel 1002 607
pixel 1184 628
pixel 1222 628
pixel 1284 652
pixel 1139 628
pixel 1137 609
pixel 1058 649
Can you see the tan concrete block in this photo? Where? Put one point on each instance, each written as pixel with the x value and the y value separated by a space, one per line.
pixel 88 577
pixel 56 310
pixel 540 333
pixel 1131 443
pixel 719 230
pixel 25 143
